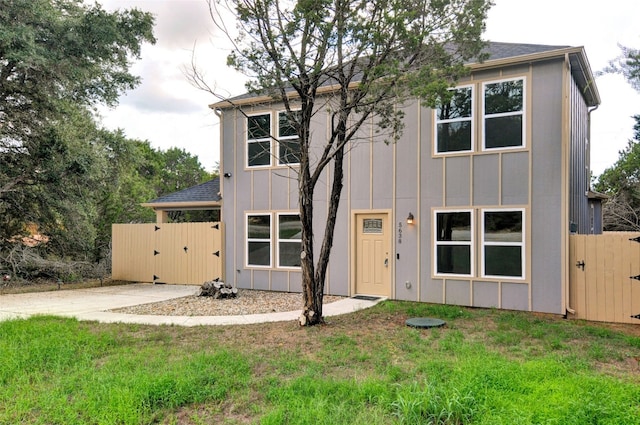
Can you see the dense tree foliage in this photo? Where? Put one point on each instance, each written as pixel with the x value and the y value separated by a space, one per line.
pixel 57 60
pixel 374 54
pixel 622 180
pixel 61 175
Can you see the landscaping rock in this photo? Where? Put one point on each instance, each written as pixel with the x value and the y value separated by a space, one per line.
pixel 218 289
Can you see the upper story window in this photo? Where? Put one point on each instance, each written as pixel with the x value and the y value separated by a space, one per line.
pixel 454 122
pixel 259 140
pixel 499 114
pixel 503 114
pixel 262 146
pixel 288 142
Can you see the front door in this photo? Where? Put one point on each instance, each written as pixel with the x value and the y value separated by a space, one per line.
pixel 373 267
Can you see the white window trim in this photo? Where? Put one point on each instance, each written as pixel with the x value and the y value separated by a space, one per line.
pixel 283 138
pixel 470 243
pixel 247 240
pixel 278 240
pixel 264 139
pixel 452 120
pixel 521 244
pixel 505 114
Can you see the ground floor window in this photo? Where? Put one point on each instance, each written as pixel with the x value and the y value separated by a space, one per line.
pixel 502 243
pixel 500 248
pixel 289 240
pixel 454 242
pixel 273 235
pixel 259 240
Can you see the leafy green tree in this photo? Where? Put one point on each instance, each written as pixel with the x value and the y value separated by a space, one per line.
pixel 58 59
pixel 374 54
pixel 621 181
pixel 180 170
pixel 135 173
pixel 627 64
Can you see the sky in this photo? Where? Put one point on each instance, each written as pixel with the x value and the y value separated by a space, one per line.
pixel 168 111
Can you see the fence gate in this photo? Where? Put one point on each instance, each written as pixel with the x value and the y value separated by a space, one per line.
pixel 604 277
pixel 175 253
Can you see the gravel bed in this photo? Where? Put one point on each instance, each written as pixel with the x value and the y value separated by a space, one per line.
pixel 247 302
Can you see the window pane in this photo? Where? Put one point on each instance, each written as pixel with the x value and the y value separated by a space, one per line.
pixel 503 131
pixel 289 254
pixel 458 107
pixel 454 259
pixel 454 226
pixel 285 125
pixel 259 153
pixel 259 126
pixel 259 254
pixel 289 152
pixel 503 261
pixel 372 226
pixel 503 226
pixel 454 136
pixel 259 227
pixel 289 227
pixel 506 96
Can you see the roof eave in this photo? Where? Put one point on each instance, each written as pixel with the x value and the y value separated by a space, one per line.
pixel 591 91
pixel 577 57
pixel 256 100
pixel 597 195
pixel 176 206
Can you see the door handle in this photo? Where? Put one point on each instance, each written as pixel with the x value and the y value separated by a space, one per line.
pixel 386 262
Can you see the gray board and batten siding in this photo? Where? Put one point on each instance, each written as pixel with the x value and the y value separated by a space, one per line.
pixel 543 180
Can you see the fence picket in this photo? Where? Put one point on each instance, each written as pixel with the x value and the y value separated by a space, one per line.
pixel 134 246
pixel 605 291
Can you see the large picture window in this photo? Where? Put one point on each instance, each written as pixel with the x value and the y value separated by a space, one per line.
pixel 454 243
pixel 289 240
pixel 503 243
pixel 454 122
pixel 288 142
pixel 259 240
pixel 503 111
pixel 259 140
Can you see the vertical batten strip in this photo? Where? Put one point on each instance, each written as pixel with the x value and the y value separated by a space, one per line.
pixel 418 282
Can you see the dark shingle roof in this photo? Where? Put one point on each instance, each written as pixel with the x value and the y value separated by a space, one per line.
pixel 498 50
pixel 495 50
pixel 205 192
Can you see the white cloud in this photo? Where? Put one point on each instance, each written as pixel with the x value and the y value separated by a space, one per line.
pixel 168 111
pixel 599 27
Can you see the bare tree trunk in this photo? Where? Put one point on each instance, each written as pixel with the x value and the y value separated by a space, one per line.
pixel 310 310
pixel 313 284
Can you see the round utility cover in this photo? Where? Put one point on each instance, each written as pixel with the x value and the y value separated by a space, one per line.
pixel 425 322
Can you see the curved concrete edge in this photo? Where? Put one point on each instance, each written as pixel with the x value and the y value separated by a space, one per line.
pixel 94 304
pixel 345 306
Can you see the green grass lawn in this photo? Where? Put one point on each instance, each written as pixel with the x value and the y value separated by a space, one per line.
pixel 484 367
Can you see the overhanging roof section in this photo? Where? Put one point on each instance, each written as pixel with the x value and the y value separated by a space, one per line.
pixel 505 54
pixel 500 55
pixel 204 196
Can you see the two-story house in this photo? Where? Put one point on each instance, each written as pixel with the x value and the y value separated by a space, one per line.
pixel 472 206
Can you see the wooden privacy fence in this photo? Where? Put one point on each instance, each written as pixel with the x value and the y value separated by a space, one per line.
pixel 176 253
pixel 604 277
